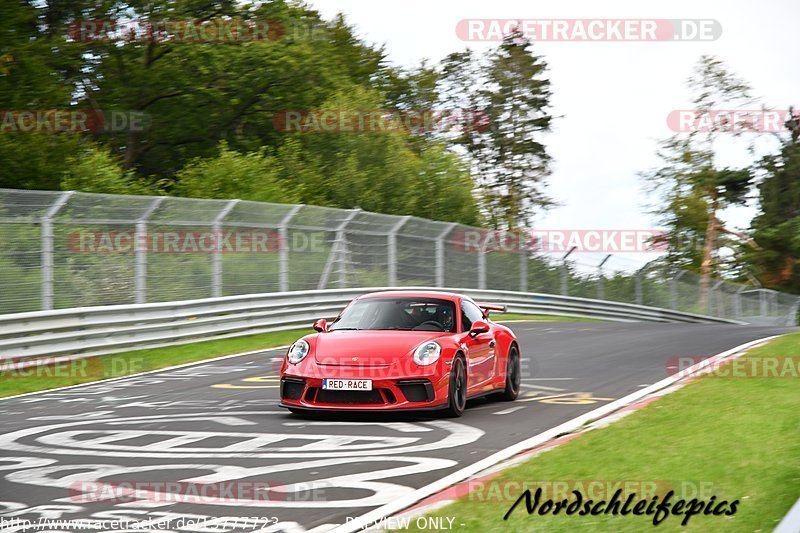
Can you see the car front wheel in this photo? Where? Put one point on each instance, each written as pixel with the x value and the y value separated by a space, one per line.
pixel 513 376
pixel 457 395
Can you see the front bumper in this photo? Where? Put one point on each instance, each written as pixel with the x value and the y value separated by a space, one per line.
pixel 411 393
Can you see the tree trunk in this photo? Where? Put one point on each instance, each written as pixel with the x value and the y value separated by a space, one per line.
pixel 712 231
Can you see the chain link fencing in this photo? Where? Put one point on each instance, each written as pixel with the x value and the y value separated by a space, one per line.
pixel 63 249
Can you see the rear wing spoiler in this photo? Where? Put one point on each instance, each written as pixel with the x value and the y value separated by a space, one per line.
pixel 491 307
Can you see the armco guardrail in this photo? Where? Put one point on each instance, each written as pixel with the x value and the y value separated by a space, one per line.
pixel 29 339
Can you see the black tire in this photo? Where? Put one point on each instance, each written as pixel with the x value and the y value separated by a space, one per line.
pixel 457 393
pixel 513 376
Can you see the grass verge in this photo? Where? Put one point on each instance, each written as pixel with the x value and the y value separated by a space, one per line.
pixel 735 438
pixel 20 381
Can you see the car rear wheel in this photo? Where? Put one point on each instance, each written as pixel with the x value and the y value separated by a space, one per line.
pixel 457 394
pixel 513 376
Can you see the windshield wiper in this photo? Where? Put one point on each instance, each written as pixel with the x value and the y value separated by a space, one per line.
pixel 344 329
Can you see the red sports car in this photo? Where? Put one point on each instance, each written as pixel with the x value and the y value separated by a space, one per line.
pixel 402 351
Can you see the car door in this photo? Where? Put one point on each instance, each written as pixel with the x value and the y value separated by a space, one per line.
pixel 480 348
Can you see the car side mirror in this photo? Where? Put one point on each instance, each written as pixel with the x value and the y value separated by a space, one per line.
pixel 321 325
pixel 478 327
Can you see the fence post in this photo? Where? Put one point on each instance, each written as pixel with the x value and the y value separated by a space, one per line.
pixel 601 294
pixel 216 257
pixel 440 254
pixel 140 249
pixel 391 241
pixel 338 244
pixel 47 249
pixel 565 273
pixel 481 269
pixel 523 272
pixel 792 318
pixel 673 289
pixel 737 302
pixel 637 279
pixel 762 300
pixel 283 251
pixel 713 296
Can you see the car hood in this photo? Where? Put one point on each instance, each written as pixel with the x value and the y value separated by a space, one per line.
pixel 368 348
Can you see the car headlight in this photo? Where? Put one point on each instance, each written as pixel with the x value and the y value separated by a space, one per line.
pixel 298 351
pixel 427 353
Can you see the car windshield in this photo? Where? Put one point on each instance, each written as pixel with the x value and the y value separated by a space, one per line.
pixel 404 314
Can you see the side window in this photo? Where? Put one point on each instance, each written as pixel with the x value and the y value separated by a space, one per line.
pixel 469 314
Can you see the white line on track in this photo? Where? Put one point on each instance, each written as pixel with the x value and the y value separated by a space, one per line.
pixel 509 410
pixel 542 387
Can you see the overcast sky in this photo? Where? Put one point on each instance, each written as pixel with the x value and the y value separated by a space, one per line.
pixel 614 96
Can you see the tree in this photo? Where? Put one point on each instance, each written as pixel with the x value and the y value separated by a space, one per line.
pixel 510 160
pixel 693 188
pixel 776 229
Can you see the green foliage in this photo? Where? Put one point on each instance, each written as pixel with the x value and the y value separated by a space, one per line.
pixel 776 229
pixel 251 176
pixel 210 108
pixel 95 170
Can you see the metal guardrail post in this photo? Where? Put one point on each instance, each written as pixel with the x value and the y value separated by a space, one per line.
pixel 391 241
pixel 440 256
pixel 283 251
pixel 216 257
pixel 47 249
pixel 140 249
pixel 338 244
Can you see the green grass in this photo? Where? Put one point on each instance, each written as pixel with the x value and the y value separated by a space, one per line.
pixel 117 365
pixel 505 317
pixel 736 438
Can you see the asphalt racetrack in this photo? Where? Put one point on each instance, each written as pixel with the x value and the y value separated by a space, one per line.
pixel 141 448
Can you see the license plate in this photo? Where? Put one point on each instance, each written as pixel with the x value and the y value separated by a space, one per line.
pixel 347 384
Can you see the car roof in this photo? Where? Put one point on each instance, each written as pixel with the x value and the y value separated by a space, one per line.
pixel 442 295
